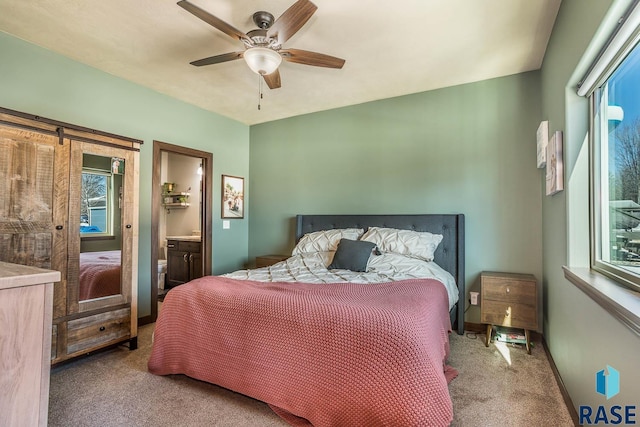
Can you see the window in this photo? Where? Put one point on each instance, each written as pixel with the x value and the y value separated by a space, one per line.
pixel 615 139
pixel 96 203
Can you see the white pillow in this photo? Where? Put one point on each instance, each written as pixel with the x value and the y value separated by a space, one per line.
pixel 325 240
pixel 415 244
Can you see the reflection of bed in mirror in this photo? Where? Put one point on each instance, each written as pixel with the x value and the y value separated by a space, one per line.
pixel 99 274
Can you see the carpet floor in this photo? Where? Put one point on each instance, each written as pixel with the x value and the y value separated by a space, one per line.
pixel 496 386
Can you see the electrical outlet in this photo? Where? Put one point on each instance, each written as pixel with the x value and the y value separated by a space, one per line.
pixel 473 298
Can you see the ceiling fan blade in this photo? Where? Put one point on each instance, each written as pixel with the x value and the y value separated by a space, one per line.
pixel 292 20
pixel 213 21
pixel 217 59
pixel 273 79
pixel 311 58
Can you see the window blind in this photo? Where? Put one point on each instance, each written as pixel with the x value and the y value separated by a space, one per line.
pixel 624 38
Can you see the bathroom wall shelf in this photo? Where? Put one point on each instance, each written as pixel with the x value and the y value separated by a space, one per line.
pixel 176 200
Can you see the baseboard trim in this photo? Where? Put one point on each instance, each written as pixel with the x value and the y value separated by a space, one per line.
pixel 475 327
pixel 563 389
pixel 144 320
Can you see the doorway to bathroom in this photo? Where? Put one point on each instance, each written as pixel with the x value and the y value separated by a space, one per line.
pixel 181 218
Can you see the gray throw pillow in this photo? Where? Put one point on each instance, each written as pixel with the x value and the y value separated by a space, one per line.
pixel 352 255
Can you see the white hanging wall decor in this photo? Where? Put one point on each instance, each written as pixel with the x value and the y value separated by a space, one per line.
pixel 555 169
pixel 542 136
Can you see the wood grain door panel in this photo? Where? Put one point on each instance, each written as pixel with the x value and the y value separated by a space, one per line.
pixel 33 199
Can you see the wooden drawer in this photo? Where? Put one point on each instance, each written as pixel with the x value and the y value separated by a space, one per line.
pixel 93 332
pixel 502 289
pixel 189 246
pixel 510 287
pixel 183 246
pixel 515 315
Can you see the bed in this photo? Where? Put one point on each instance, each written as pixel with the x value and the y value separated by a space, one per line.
pixel 326 353
pixel 99 274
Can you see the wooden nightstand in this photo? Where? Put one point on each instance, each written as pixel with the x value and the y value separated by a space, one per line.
pixel 509 299
pixel 267 260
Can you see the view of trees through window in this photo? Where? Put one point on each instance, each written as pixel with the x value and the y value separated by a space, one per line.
pixel 94 203
pixel 620 165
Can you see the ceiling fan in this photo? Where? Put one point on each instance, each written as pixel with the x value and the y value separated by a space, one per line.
pixel 263 46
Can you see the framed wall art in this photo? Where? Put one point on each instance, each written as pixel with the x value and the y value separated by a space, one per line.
pixel 232 196
pixel 542 138
pixel 555 169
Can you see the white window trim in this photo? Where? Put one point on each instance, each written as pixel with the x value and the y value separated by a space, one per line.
pixel 615 50
pixel 606 290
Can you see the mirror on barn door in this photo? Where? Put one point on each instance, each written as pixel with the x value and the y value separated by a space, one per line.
pixel 100 229
pixel 101 213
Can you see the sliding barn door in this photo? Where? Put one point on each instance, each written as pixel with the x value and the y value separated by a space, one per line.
pixel 34 180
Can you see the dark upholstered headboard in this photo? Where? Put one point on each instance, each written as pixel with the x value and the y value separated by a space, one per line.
pixel 449 255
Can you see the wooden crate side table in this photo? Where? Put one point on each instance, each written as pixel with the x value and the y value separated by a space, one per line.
pixel 267 260
pixel 509 299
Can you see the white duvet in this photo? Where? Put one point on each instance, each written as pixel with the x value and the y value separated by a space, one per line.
pixel 388 267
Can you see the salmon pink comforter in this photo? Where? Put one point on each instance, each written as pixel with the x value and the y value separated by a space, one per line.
pixel 99 274
pixel 323 355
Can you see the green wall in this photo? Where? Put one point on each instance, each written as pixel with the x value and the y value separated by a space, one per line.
pixel 582 337
pixel 40 82
pixel 467 149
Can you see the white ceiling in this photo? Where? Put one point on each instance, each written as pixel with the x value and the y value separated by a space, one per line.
pixel 391 48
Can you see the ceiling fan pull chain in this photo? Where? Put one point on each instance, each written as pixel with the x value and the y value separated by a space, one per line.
pixel 259 90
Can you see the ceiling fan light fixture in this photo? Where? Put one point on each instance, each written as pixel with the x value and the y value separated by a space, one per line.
pixel 262 60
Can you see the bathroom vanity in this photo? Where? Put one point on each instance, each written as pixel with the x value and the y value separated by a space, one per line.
pixel 184 260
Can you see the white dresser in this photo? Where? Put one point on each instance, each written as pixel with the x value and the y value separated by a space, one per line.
pixel 26 307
